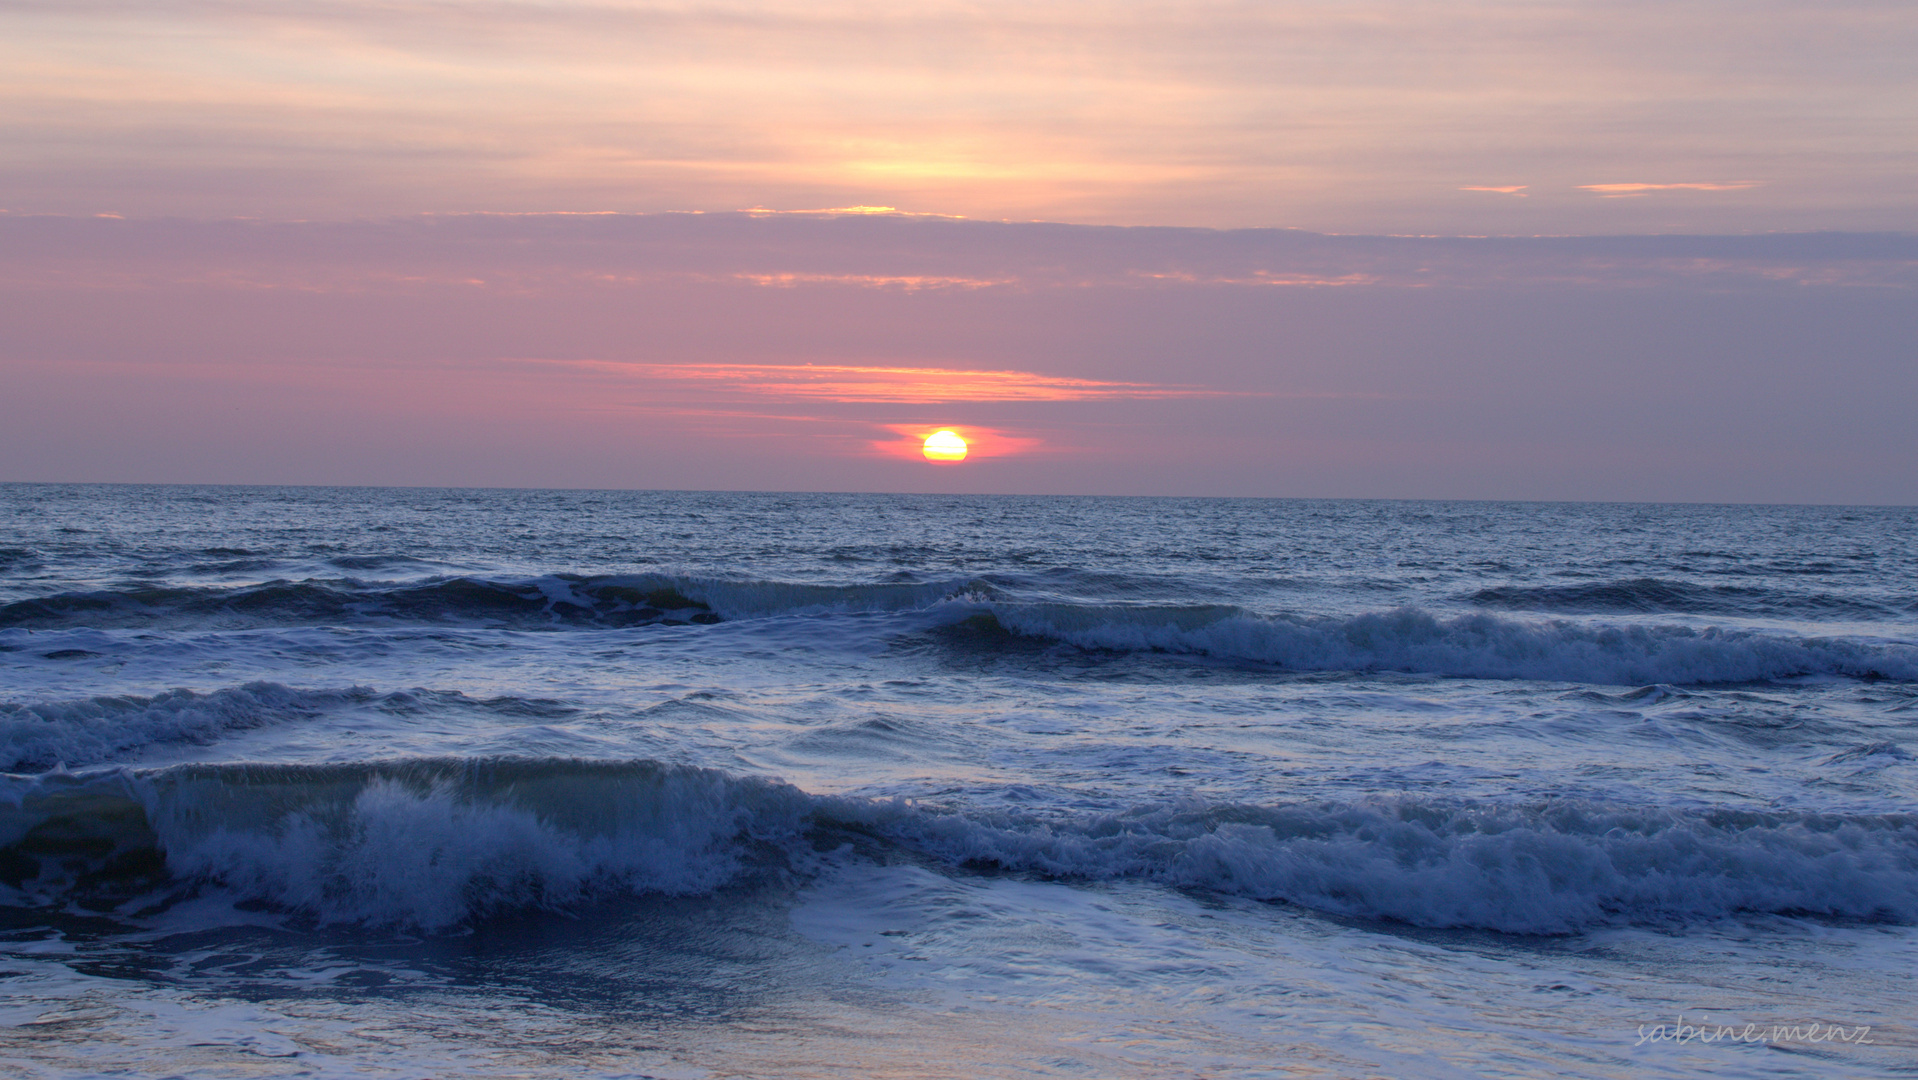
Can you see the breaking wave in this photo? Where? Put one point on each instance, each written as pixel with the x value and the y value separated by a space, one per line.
pixel 429 843
pixel 1467 646
pixel 1539 868
pixel 433 843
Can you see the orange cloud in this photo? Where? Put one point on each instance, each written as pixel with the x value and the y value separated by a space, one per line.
pixel 1515 189
pixel 896 385
pixel 1626 191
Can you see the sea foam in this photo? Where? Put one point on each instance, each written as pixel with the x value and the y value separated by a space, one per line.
pixel 436 842
pixel 422 842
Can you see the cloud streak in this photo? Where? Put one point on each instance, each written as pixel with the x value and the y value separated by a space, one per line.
pixel 906 282
pixel 1625 191
pixel 858 384
pixel 795 262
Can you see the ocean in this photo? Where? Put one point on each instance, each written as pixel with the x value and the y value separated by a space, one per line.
pixel 429 783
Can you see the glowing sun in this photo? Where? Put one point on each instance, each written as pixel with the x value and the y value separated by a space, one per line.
pixel 944 445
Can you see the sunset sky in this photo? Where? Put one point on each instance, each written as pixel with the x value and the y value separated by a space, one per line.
pixel 1486 248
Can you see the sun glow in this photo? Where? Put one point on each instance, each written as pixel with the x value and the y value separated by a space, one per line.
pixel 945 445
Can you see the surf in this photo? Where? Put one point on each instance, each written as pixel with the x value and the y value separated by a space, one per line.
pixel 438 843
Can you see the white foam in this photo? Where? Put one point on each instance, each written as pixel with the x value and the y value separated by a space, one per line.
pixel 433 843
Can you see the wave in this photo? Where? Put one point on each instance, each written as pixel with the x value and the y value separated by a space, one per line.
pixel 429 843
pixel 433 843
pixel 1474 645
pixel 1662 596
pixel 44 734
pixel 1466 646
pixel 1540 868
pixel 75 733
pixel 555 600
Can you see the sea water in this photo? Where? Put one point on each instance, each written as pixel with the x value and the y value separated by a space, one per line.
pixel 396 783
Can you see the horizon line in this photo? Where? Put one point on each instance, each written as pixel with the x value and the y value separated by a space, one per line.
pixel 952 494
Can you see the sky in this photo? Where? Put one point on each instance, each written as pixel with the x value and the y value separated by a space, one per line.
pixel 1472 249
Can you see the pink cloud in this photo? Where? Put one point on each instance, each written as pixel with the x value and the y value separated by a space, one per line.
pixel 1626 191
pixel 850 383
pixel 1262 277
pixel 908 282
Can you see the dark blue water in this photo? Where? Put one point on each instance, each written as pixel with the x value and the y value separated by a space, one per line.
pixel 621 783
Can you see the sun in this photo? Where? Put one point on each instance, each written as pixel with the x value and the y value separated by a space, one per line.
pixel 945 445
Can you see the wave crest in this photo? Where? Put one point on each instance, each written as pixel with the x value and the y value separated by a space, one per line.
pixel 1545 868
pixel 427 842
pixel 44 734
pixel 1468 646
pixel 436 842
pixel 555 600
pixel 1662 595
